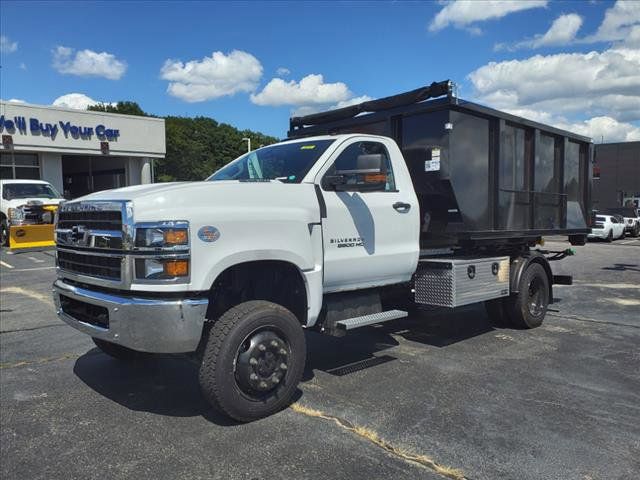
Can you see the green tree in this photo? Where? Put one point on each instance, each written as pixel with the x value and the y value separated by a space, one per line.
pixel 123 107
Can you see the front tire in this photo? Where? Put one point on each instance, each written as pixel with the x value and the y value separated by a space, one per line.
pixel 4 233
pixel 528 307
pixel 253 360
pixel 610 236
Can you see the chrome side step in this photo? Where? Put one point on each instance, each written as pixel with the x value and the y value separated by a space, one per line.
pixel 372 319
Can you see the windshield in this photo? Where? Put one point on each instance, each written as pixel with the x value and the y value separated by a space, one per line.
pixel 288 163
pixel 12 191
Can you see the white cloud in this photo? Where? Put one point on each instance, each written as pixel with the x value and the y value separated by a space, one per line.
pixel 633 40
pixel 621 24
pixel 595 93
pixel 308 109
pixel 598 128
pixel 17 100
pixel 88 63
pixel 565 82
pixel 618 22
pixel 311 90
pixel 562 32
pixel 283 72
pixel 462 13
pixel 212 77
pixel 6 45
pixel 23 66
pixel 78 101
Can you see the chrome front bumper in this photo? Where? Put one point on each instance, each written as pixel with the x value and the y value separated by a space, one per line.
pixel 143 324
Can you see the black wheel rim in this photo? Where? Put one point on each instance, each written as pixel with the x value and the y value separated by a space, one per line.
pixel 262 362
pixel 537 300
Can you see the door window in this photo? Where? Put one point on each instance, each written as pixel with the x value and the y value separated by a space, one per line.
pixel 348 160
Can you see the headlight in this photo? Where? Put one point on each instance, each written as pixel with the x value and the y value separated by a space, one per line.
pixel 165 235
pixel 161 268
pixel 16 215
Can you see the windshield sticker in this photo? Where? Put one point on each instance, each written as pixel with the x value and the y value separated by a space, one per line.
pixel 307 147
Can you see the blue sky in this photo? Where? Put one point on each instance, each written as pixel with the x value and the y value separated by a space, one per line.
pixel 574 64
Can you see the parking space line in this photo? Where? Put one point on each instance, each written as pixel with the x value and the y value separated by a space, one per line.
pixel 617 286
pixel 35 260
pixel 28 293
pixel 5 264
pixel 32 269
pixel 38 361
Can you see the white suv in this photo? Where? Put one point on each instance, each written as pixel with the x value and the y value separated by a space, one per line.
pixel 631 219
pixel 607 227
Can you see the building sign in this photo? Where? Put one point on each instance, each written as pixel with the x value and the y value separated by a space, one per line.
pixel 25 126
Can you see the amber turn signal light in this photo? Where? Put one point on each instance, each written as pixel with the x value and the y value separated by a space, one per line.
pixel 175 237
pixel 176 268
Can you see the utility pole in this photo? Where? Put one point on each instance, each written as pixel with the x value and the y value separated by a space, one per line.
pixel 248 140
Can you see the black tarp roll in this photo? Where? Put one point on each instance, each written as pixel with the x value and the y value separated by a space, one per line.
pixel 436 89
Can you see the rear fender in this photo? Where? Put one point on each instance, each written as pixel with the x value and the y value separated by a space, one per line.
pixel 520 264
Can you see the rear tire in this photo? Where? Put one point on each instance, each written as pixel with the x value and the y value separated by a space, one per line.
pixel 118 352
pixel 253 360
pixel 528 307
pixel 610 236
pixel 636 231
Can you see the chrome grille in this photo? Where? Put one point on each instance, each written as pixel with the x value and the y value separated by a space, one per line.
pixel 91 239
pixel 87 263
pixel 92 219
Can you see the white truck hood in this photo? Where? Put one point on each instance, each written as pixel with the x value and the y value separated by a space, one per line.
pixel 196 200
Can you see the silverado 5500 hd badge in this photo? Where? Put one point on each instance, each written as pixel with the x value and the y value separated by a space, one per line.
pixel 347 242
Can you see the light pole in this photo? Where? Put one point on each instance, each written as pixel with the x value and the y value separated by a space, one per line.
pixel 248 140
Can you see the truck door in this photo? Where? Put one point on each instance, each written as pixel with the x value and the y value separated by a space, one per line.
pixel 370 238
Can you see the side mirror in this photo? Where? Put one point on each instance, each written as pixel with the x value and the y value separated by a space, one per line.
pixel 369 176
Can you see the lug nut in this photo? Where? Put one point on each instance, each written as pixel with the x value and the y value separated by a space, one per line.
pixel 283 366
pixel 275 380
pixel 253 376
pixel 274 343
pixel 261 347
pixel 283 351
pixel 253 361
pixel 263 384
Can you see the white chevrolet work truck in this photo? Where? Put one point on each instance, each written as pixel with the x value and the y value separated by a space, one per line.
pixel 320 233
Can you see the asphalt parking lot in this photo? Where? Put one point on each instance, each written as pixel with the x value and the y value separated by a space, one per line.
pixel 558 402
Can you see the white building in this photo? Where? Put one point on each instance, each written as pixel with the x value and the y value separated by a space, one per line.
pixel 78 151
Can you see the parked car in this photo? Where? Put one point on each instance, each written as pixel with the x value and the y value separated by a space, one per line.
pixel 607 227
pixel 630 219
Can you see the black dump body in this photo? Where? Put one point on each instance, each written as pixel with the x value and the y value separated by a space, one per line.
pixel 483 177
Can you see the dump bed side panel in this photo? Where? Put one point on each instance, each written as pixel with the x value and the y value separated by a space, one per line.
pixel 481 175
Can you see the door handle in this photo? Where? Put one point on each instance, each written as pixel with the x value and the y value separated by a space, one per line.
pixel 401 206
